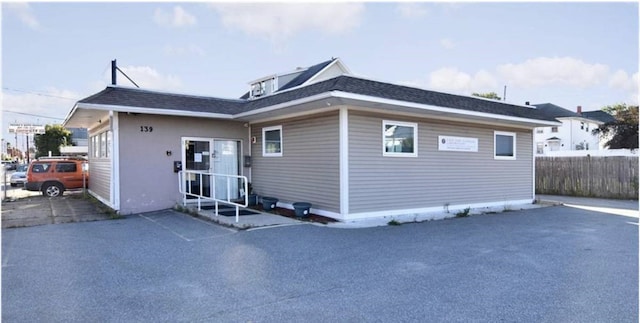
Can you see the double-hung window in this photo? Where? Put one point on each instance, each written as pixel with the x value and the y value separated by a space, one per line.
pixel 399 139
pixel 504 144
pixel 272 141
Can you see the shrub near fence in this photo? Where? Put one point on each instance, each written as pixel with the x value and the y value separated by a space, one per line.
pixel 604 177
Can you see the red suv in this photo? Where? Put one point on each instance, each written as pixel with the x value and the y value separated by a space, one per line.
pixel 53 176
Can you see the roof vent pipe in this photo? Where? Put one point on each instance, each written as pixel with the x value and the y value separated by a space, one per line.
pixel 113 72
pixel 526 103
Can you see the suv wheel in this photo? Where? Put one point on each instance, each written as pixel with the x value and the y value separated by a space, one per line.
pixel 52 189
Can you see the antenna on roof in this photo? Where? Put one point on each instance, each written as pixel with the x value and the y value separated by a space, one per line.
pixel 115 68
pixel 504 94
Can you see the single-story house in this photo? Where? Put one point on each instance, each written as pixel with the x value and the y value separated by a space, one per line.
pixel 353 147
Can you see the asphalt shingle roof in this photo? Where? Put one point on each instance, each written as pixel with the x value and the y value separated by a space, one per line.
pixel 300 79
pixel 306 75
pixel 554 111
pixel 158 100
pixel 599 115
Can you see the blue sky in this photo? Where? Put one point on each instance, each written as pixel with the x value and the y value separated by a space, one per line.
pixel 569 54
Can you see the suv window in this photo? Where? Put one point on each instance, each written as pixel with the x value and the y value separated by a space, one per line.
pixel 41 167
pixel 62 167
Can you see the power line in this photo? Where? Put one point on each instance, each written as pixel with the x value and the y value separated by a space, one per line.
pixel 32 115
pixel 40 94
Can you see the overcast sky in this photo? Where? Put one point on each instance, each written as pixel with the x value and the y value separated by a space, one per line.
pixel 569 54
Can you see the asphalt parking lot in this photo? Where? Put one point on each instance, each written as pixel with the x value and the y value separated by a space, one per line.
pixel 551 264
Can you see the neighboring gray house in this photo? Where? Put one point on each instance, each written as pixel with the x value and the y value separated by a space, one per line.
pixel 353 147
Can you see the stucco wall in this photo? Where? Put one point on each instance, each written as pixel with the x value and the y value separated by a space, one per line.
pixel 147 180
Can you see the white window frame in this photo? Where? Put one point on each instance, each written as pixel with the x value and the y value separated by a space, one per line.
pixel 515 145
pixel 264 142
pixel 403 124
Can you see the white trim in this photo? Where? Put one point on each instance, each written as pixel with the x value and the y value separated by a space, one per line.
pixel 262 79
pixel 437 210
pixel 336 61
pixel 533 163
pixel 313 210
pixel 321 96
pixel 114 124
pixel 142 110
pixel 264 139
pixel 360 97
pixel 344 160
pixel 103 200
pixel 514 146
pixel 403 124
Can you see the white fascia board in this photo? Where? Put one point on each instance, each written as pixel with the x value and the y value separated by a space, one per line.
pixel 335 62
pixel 265 78
pixel 321 96
pixel 68 117
pixel 427 107
pixel 439 91
pixel 141 110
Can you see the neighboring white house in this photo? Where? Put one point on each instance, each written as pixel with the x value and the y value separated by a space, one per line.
pixel 575 133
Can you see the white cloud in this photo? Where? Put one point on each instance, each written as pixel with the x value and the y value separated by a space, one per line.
pixel 178 18
pixel 23 11
pixel 44 107
pixel 447 43
pixel 452 80
pixel 190 49
pixel 146 77
pixel 412 10
pixel 543 71
pixel 278 22
pixel 620 80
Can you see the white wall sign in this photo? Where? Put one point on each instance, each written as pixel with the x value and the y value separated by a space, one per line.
pixel 450 143
pixel 26 128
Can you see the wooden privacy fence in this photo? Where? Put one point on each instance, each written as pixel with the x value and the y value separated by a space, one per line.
pixel 604 177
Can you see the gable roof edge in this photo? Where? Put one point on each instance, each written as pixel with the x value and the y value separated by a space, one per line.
pixel 336 61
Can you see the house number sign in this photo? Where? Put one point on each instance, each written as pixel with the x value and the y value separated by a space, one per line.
pixel 146 129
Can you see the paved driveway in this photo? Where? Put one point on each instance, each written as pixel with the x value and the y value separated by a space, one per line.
pixel 553 264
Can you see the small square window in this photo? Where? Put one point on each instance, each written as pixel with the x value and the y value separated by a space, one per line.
pixel 272 141
pixel 504 145
pixel 399 139
pixel 554 129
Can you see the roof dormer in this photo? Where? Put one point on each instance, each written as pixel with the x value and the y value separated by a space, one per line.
pixel 300 76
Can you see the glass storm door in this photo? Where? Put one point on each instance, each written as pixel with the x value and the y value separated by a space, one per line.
pixel 196 156
pixel 226 161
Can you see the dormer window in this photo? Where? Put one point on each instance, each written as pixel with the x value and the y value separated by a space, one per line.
pixel 258 89
pixel 263 87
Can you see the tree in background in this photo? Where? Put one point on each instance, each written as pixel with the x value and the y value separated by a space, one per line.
pixel 624 130
pixel 490 95
pixel 53 137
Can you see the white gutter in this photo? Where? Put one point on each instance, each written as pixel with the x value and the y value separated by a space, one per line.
pixel 321 96
pixel 368 98
pixel 142 110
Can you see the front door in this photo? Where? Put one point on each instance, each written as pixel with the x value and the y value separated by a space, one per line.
pixel 226 161
pixel 196 156
pixel 208 155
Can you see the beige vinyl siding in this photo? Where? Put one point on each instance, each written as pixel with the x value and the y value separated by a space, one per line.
pixel 308 170
pixel 100 177
pixel 100 168
pixel 433 178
